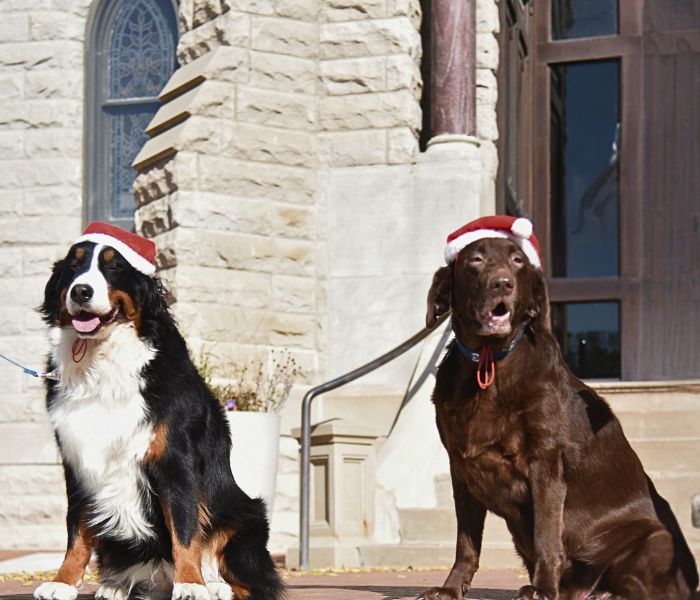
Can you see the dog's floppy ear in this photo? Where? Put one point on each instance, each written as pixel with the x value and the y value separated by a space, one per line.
pixel 439 296
pixel 51 307
pixel 538 308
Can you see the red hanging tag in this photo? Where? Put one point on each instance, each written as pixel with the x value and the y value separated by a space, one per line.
pixel 486 370
pixel 79 349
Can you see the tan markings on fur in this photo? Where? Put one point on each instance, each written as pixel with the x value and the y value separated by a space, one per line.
pixel 215 543
pixel 76 559
pixel 108 255
pixel 187 559
pixel 159 441
pixel 127 305
pixel 204 516
pixel 80 254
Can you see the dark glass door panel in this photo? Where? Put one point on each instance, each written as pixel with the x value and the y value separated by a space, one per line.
pixel 583 18
pixel 585 130
pixel 589 337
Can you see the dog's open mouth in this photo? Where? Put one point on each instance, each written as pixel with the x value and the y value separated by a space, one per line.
pixel 88 323
pixel 496 321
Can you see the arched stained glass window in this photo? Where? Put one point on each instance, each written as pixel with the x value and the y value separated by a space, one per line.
pixel 131 55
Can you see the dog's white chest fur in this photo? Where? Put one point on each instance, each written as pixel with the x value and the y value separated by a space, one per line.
pixel 100 419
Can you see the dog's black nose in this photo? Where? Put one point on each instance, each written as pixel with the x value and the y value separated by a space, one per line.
pixel 81 293
pixel 502 285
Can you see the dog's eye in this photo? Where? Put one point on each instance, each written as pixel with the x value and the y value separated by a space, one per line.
pixel 476 259
pixel 517 259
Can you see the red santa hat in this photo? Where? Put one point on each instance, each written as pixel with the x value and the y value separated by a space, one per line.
pixel 518 229
pixel 139 252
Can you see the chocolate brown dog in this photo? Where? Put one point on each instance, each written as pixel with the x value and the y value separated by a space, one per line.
pixel 531 443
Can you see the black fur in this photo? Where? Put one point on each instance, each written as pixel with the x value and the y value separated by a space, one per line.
pixel 194 470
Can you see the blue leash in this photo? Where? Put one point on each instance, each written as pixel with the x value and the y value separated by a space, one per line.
pixel 31 372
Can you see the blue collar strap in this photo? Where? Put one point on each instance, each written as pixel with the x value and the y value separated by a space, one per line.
pixel 500 355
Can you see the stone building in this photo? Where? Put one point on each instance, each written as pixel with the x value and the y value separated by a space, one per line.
pixel 300 163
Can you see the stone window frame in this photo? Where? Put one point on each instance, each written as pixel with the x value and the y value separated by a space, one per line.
pixel 96 150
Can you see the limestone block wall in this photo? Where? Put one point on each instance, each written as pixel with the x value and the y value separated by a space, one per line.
pixel 388 207
pixel 41 112
pixel 233 211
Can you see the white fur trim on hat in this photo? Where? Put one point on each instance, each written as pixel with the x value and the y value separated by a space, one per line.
pixel 132 257
pixel 456 245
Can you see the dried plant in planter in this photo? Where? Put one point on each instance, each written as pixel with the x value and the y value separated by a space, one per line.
pixel 260 384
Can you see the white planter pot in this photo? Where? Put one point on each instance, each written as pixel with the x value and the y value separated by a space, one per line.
pixel 255 438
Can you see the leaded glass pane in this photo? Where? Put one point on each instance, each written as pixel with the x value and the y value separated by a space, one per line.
pixel 127 129
pixel 141 51
pixel 589 337
pixel 583 18
pixel 585 173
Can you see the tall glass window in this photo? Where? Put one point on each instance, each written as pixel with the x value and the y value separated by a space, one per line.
pixel 583 18
pixel 589 337
pixel 132 57
pixel 585 129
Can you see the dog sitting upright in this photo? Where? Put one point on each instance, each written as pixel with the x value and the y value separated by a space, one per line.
pixel 145 445
pixel 533 444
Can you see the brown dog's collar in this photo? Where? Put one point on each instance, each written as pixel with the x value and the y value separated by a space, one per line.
pixel 475 357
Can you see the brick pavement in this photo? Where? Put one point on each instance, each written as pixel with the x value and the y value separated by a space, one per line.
pixel 401 585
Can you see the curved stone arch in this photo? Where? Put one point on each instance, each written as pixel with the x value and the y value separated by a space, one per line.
pixel 130 53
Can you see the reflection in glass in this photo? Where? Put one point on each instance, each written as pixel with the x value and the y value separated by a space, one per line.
pixel 128 131
pixel 142 57
pixel 583 18
pixel 585 132
pixel 589 337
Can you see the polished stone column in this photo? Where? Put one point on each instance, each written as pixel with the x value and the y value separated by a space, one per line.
pixel 453 66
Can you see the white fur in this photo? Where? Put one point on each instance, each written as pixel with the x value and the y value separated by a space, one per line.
pixel 53 590
pixel 111 592
pixel 100 419
pixel 154 578
pixel 99 303
pixel 210 567
pixel 219 590
pixel 190 591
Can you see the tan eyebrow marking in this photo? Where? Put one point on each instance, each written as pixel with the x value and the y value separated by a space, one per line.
pixel 80 254
pixel 108 254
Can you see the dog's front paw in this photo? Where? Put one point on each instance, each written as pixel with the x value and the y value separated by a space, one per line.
pixel 54 590
pixel 110 592
pixel 439 593
pixel 530 592
pixel 219 590
pixel 190 591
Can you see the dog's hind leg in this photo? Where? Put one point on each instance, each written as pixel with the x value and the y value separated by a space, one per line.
pixel 244 562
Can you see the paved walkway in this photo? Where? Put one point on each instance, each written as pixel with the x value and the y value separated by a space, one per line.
pixel 349 585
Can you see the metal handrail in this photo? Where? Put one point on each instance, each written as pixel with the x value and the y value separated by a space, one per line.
pixel 328 386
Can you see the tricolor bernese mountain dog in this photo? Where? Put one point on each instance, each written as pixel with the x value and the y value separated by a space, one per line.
pixel 145 445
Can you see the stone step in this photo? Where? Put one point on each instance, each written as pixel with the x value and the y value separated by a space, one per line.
pixel 669 455
pixel 643 424
pixel 434 554
pixel 440 525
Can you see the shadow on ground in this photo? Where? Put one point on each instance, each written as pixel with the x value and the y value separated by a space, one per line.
pixel 380 592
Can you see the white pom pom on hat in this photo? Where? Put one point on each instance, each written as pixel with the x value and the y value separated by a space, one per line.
pixel 518 229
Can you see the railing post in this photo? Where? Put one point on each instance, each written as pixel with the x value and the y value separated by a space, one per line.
pixel 305 476
pixel 305 480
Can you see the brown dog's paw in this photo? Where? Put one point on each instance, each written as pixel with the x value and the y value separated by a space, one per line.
pixel 439 593
pixel 530 592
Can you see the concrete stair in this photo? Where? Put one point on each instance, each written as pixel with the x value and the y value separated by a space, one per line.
pixel 663 426
pixel 428 537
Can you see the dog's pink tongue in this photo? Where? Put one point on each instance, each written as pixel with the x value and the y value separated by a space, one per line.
pixel 86 326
